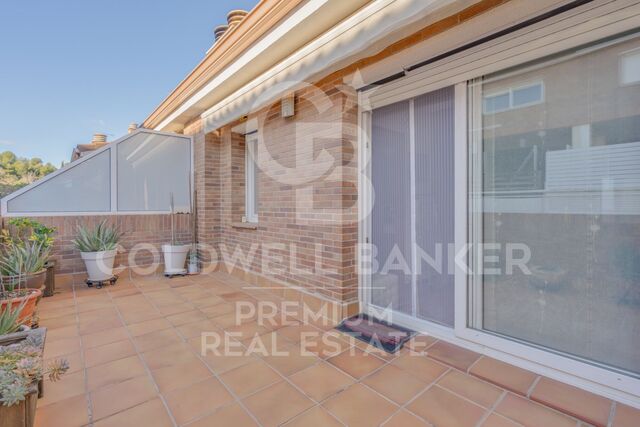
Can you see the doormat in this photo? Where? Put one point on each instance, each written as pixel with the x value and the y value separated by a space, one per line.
pixel 383 335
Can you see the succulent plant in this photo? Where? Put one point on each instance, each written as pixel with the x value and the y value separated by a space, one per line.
pixel 21 367
pixel 100 238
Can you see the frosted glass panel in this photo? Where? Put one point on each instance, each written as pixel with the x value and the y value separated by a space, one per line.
pixel 434 115
pixel 84 187
pixel 391 215
pixel 563 178
pixel 150 168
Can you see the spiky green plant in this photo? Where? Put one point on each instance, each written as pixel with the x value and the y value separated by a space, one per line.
pixel 102 237
pixel 9 318
pixel 23 259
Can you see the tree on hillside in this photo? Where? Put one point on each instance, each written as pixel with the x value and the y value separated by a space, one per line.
pixel 16 172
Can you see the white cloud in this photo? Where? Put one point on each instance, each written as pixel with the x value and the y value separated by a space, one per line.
pixel 6 143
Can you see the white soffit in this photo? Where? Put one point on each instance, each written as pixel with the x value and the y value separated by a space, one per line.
pixel 305 23
pixel 347 40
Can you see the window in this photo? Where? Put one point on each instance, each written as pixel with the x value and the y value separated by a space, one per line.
pixel 561 183
pixel 251 177
pixel 136 173
pixel 513 97
pixel 630 67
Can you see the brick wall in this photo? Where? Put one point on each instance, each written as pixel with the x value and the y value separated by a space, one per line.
pixel 307 181
pixel 152 229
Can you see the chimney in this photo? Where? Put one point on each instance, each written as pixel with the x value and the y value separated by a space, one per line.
pixel 99 138
pixel 235 16
pixel 220 30
pixel 132 127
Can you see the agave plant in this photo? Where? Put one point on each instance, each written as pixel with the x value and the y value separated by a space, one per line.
pixel 9 318
pixel 23 259
pixel 100 238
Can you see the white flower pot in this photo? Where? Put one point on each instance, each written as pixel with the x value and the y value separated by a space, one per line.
pixel 175 257
pixel 99 264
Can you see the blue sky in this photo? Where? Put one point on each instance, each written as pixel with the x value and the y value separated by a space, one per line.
pixel 70 68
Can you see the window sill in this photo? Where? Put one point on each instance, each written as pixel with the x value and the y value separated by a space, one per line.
pixel 245 225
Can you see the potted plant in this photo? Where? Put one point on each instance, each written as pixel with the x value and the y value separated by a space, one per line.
pixel 23 264
pixel 20 372
pixel 12 327
pixel 98 248
pixel 174 253
pixel 29 229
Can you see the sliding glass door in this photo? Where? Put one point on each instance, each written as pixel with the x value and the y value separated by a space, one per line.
pixel 412 221
pixel 555 185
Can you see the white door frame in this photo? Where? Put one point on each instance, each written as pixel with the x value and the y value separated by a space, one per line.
pixel 547 362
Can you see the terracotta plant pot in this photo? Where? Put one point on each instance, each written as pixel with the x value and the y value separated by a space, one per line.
pixel 29 308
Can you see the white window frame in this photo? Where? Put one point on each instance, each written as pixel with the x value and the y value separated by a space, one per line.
pixel 112 147
pixel 588 24
pixel 623 55
pixel 510 91
pixel 251 177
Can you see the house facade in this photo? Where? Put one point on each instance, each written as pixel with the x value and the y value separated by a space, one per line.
pixel 469 169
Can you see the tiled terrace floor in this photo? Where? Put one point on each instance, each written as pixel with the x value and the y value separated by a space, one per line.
pixel 135 358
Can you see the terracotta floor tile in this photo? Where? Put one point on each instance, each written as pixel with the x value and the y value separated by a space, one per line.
pixel 170 355
pixel 294 360
pixel 443 408
pixel 218 310
pixel 61 322
pixel 250 377
pixel 61 347
pixel 99 324
pixel 70 412
pixel 573 401
pixel 420 343
pixel 277 404
pixel 124 395
pixel 104 337
pixel 422 368
pixel 195 329
pixel 626 416
pixel 480 392
pixel 395 384
pixel 138 316
pixel 266 344
pixel 314 417
pixel 76 363
pixel 197 399
pixel 173 308
pixel 186 317
pixel 109 352
pixel 359 406
pixel 495 420
pixel 326 346
pixel 404 419
pixel 68 386
pixel 356 362
pixel 295 333
pixel 61 333
pixel 206 302
pixel 178 376
pixel 114 372
pixel 246 331
pixel 151 413
pixel 229 416
pixel 156 339
pixel 148 326
pixel 321 381
pixel 452 355
pixel 531 414
pixel 507 376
